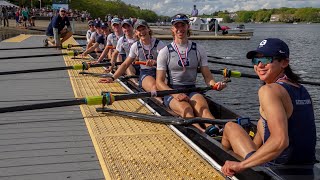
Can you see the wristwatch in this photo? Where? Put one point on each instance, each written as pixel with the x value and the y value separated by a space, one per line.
pixel 112 78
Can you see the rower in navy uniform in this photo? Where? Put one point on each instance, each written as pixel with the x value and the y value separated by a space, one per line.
pixel 145 50
pixel 286 129
pixel 177 66
pixel 112 39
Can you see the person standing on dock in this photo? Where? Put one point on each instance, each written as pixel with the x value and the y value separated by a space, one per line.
pixel 177 68
pixel 194 12
pixel 145 50
pixel 286 131
pixel 112 39
pixel 57 30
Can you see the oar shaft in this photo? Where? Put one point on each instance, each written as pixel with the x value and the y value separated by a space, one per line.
pixel 36 70
pixel 43 47
pixel 83 66
pixel 231 64
pixel 160 93
pixel 43 105
pixel 39 55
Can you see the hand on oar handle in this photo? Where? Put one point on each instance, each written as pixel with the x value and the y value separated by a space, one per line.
pixel 106 80
pixel 149 62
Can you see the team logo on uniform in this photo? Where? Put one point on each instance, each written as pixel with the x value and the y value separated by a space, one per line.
pixel 149 56
pixel 185 62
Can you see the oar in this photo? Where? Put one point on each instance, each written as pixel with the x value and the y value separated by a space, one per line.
pixel 83 66
pixel 106 98
pixel 165 119
pixel 231 64
pixel 68 46
pixel 217 57
pixel 70 53
pixel 228 73
pixel 107 75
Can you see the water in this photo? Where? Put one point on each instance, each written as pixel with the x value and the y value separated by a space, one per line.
pixel 241 94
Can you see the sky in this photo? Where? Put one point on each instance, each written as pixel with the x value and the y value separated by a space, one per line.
pixel 171 7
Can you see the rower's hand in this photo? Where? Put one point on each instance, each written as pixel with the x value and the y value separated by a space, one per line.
pixel 181 97
pixel 220 85
pixel 151 62
pixel 232 167
pixel 106 80
pixel 109 69
pixel 94 62
pixel 82 55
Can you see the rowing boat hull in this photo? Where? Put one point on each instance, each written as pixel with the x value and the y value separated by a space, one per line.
pixel 214 149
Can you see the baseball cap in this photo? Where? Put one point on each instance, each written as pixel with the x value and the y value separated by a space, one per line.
pixel 140 22
pixel 90 23
pixel 97 24
pixel 180 18
pixel 63 9
pixel 271 47
pixel 104 25
pixel 126 21
pixel 115 21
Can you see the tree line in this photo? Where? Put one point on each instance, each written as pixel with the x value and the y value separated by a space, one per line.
pixel 287 15
pixel 100 8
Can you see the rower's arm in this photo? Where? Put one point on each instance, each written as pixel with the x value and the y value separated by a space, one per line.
pixel 208 78
pixel 270 97
pixel 123 67
pixel 104 53
pixel 92 48
pixel 90 43
pixel 161 80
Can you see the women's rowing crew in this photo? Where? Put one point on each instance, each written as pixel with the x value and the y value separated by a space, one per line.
pixel 145 50
pixel 177 65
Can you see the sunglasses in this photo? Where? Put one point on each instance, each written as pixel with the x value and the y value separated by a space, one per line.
pixel 263 60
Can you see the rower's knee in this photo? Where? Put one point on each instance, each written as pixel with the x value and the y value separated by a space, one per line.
pixel 187 112
pixel 229 128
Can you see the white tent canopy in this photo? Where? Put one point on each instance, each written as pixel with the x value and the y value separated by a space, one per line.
pixel 5 3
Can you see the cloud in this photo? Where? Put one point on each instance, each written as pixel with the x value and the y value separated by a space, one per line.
pixel 171 7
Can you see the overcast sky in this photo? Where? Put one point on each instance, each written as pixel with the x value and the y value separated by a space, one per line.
pixel 171 7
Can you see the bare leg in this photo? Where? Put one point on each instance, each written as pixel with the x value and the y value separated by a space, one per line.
pixel 182 108
pixel 236 138
pixel 201 108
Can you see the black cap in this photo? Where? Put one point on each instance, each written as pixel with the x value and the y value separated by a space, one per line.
pixel 140 22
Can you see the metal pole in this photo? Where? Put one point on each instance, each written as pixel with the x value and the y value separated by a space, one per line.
pixel 40 5
pixel 216 27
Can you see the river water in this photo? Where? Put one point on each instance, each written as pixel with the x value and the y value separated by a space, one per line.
pixel 241 93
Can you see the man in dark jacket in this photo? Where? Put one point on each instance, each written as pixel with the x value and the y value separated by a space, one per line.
pixel 57 30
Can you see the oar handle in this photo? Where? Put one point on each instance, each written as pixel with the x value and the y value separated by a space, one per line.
pixel 140 63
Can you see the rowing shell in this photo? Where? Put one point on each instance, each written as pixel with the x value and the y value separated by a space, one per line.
pixel 212 150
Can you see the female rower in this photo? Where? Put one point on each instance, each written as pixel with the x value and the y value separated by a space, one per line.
pixel 112 39
pixel 286 130
pixel 90 30
pixel 178 63
pixel 146 50
pixel 102 31
pixel 123 48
